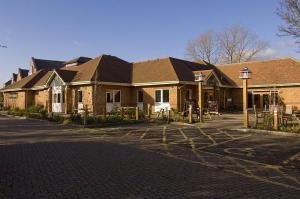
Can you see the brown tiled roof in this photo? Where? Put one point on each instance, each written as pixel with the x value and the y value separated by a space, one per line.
pixel 7 83
pixel 42 81
pixel 108 68
pixel 83 72
pixel 165 69
pixel 113 69
pixel 277 71
pixel 41 64
pixel 105 68
pixel 66 75
pixel 28 81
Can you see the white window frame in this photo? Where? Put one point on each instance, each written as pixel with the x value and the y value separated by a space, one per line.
pixel 162 95
pixel 112 93
pixel 161 104
pixel 80 91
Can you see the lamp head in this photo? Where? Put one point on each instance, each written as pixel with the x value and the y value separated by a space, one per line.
pixel 245 73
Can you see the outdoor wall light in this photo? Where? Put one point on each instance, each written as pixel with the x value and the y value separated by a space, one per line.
pixel 245 73
pixel 199 77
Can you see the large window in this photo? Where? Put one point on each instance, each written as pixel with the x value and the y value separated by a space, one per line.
pixel 113 96
pixel 140 96
pixel 54 98
pixel 166 96
pixel 188 94
pixel 158 96
pixel 58 97
pixel 117 95
pixel 109 97
pixel 80 95
pixel 162 96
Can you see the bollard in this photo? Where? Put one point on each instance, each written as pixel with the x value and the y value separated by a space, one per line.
pixel 190 114
pixel 275 120
pixel 137 113
pixel 162 113
pixel 85 115
pixel 168 116
pixel 149 111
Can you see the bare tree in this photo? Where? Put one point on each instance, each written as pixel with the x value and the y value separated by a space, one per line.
pixel 230 45
pixel 239 44
pixel 205 47
pixel 289 11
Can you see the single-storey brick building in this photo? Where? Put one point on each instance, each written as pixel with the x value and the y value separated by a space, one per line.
pixel 107 81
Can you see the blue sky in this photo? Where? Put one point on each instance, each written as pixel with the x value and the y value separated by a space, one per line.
pixel 133 30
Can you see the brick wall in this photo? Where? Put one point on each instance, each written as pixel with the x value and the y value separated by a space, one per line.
pixel 41 98
pixel 87 97
pixel 291 96
pixel 14 99
pixel 149 95
pixel 127 96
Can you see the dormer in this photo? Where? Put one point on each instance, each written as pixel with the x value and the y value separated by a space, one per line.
pixel 21 74
pixel 41 64
pixel 14 78
pixel 77 61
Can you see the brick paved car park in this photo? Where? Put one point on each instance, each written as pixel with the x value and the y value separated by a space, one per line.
pixel 43 160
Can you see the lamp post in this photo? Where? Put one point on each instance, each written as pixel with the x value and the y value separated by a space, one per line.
pixel 200 79
pixel 245 74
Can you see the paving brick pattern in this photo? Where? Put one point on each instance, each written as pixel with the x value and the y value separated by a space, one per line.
pixel 43 160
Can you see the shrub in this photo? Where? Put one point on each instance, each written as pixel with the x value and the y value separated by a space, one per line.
pixel 35 109
pixel 58 119
pixel 114 118
pixel 296 129
pixel 268 122
pixel 91 120
pixel 16 111
pixel 76 118
pixel 67 121
pixel 293 129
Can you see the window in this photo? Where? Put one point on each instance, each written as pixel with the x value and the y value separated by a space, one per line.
pixel 117 96
pixel 250 102
pixel 80 96
pixel 140 96
pixel 166 96
pixel 54 98
pixel 158 96
pixel 188 94
pixel 109 97
pixel 58 97
pixel 162 96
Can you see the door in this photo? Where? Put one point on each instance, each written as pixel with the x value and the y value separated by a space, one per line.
pixel 161 100
pixel 113 100
pixel 57 101
pixel 140 100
